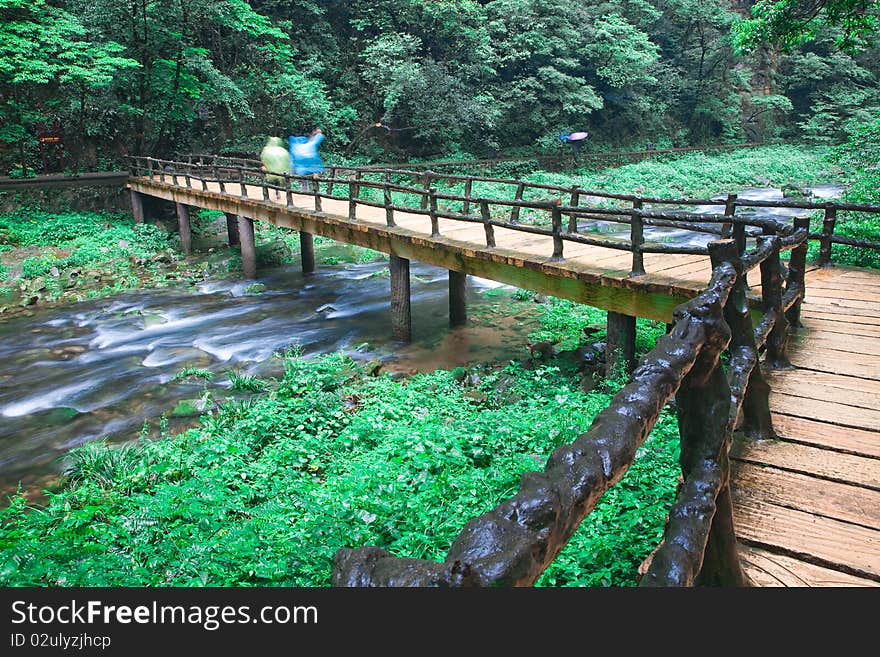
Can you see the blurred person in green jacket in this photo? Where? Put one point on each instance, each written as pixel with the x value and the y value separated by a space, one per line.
pixel 276 159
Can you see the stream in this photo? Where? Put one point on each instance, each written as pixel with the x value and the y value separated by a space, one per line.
pixel 102 368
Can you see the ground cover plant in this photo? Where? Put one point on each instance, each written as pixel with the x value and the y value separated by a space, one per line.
pixel 267 489
pixel 71 256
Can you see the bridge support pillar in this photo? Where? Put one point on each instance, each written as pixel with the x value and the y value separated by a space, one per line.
pixel 184 226
pixel 307 251
pixel 457 298
pixel 137 207
pixel 620 345
pixel 401 315
pixel 232 228
pixel 248 247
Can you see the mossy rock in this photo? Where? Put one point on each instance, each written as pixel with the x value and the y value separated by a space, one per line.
pixel 189 408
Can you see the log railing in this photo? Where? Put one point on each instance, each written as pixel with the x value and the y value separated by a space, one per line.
pixel 534 207
pixel 513 544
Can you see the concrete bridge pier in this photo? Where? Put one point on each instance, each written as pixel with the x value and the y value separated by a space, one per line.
pixel 137 206
pixel 248 247
pixel 232 228
pixel 457 298
pixel 307 251
pixel 401 314
pixel 620 345
pixel 185 228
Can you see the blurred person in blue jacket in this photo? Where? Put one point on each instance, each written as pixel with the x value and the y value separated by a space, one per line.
pixel 305 157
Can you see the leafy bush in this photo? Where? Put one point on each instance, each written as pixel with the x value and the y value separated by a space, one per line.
pixel 860 158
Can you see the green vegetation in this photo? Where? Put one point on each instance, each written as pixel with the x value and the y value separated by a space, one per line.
pixel 459 77
pixel 77 255
pixel 698 175
pixel 854 23
pixel 195 372
pixel 266 490
pixel 246 382
pixel 277 478
pixel 860 157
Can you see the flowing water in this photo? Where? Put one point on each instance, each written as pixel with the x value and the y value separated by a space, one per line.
pixel 692 238
pixel 104 368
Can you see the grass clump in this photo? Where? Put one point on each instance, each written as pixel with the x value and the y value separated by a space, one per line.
pixel 193 372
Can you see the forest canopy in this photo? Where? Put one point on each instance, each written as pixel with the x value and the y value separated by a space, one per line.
pixel 404 79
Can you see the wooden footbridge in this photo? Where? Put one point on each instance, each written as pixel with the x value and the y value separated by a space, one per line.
pixel 780 439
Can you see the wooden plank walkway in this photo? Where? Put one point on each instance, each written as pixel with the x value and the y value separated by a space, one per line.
pixel 807 507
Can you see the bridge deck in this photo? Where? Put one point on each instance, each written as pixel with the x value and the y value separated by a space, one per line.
pixel 588 274
pixel 808 505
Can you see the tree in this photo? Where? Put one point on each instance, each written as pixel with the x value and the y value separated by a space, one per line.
pixel 791 23
pixel 48 66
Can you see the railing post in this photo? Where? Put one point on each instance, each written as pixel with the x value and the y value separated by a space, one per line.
pixel 771 292
pixel 573 201
pixel 514 213
pixel 739 236
pixel 330 182
pixel 757 423
pixel 797 269
pixel 389 205
pixel 487 223
pixel 556 223
pixel 703 408
pixel 426 184
pixel 432 211
pixel 150 169
pixel 264 186
pixel 288 190
pixel 637 239
pixel 828 223
pixel 241 182
pixel 316 190
pixel 161 172
pixel 353 191
pixel 468 186
pixel 729 211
